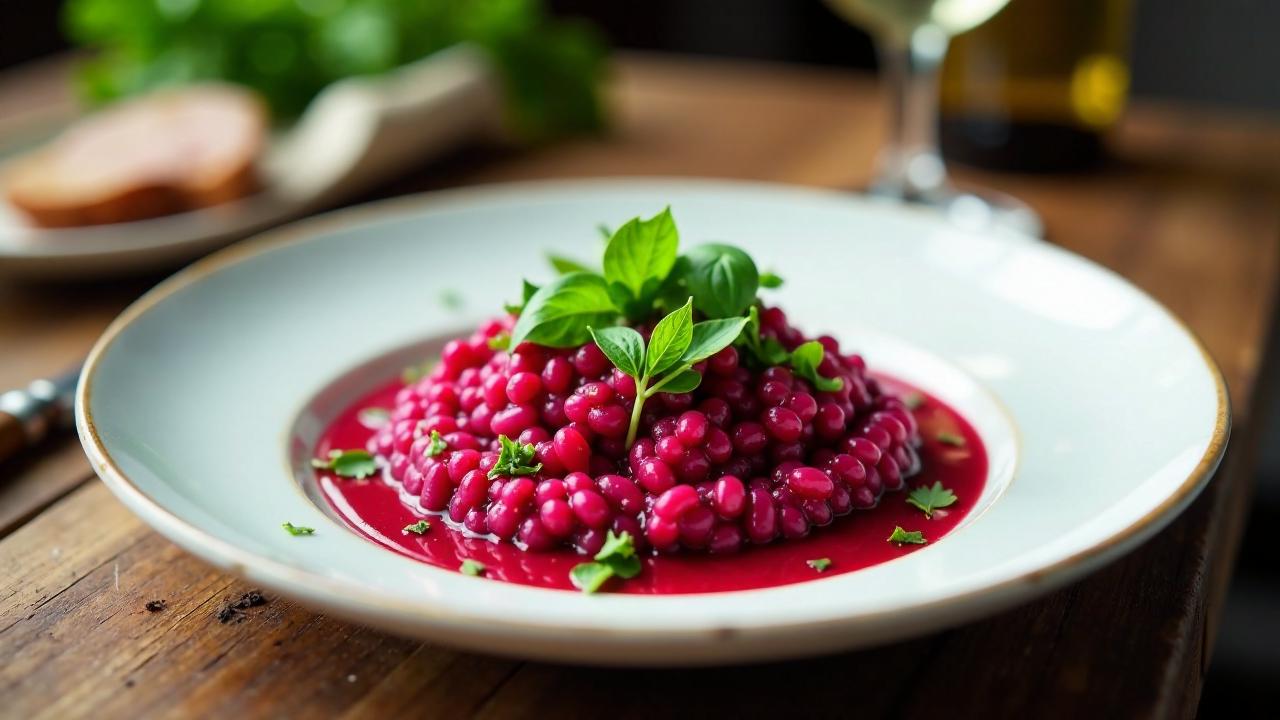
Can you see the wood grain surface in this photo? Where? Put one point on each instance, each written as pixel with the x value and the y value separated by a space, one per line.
pixel 1189 211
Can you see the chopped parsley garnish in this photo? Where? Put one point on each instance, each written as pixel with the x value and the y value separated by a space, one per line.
pixel 514 459
pixel 437 446
pixel 356 464
pixel 913 400
pixel 616 557
pixel 417 528
pixel 906 537
pixel 950 438
pixel 930 498
pixel 819 564
pixel 296 530
pixel 472 568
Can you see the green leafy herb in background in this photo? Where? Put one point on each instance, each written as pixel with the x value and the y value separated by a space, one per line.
pixel 289 50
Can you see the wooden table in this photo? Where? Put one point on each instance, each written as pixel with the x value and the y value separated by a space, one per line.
pixel 1189 212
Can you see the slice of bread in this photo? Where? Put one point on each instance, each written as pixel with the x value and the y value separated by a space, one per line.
pixel 167 152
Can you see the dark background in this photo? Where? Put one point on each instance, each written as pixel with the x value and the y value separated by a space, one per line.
pixel 1220 53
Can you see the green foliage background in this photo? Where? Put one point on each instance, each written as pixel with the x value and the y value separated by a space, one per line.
pixel 289 50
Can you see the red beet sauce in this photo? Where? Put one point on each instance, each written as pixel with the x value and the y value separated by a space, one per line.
pixel 373 509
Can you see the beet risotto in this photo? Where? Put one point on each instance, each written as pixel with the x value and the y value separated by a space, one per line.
pixel 656 406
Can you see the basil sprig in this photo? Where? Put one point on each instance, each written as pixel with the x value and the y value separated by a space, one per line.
pixel 666 363
pixel 637 261
pixel 641 275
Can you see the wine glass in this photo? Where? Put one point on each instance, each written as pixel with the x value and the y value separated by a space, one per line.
pixel 912 38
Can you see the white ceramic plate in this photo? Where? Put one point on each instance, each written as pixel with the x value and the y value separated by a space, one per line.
pixel 1103 415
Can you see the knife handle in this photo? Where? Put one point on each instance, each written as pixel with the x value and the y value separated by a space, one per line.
pixel 12 437
pixel 26 416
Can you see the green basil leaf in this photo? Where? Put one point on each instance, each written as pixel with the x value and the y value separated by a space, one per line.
pixel 712 336
pixel 623 346
pixel 766 352
pixel 722 279
pixel 640 251
pixel 770 280
pixel 773 353
pixel 805 360
pixel 687 381
pixel 672 292
pixel 670 338
pixel 564 265
pixel 527 292
pixel 622 297
pixel 558 314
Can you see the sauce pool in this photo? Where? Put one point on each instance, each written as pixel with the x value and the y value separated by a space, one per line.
pixel 374 509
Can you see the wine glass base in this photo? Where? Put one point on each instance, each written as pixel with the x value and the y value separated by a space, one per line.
pixel 972 209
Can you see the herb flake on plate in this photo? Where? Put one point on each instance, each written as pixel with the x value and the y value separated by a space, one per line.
pixel 931 497
pixel 358 464
pixel 297 530
pixel 906 537
pixel 819 564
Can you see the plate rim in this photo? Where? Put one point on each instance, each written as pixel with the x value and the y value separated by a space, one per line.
pixel 355 596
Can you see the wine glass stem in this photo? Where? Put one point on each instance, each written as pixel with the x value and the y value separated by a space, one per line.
pixel 911 165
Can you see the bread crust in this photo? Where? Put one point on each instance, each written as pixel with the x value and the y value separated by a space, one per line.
pixel 46 184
